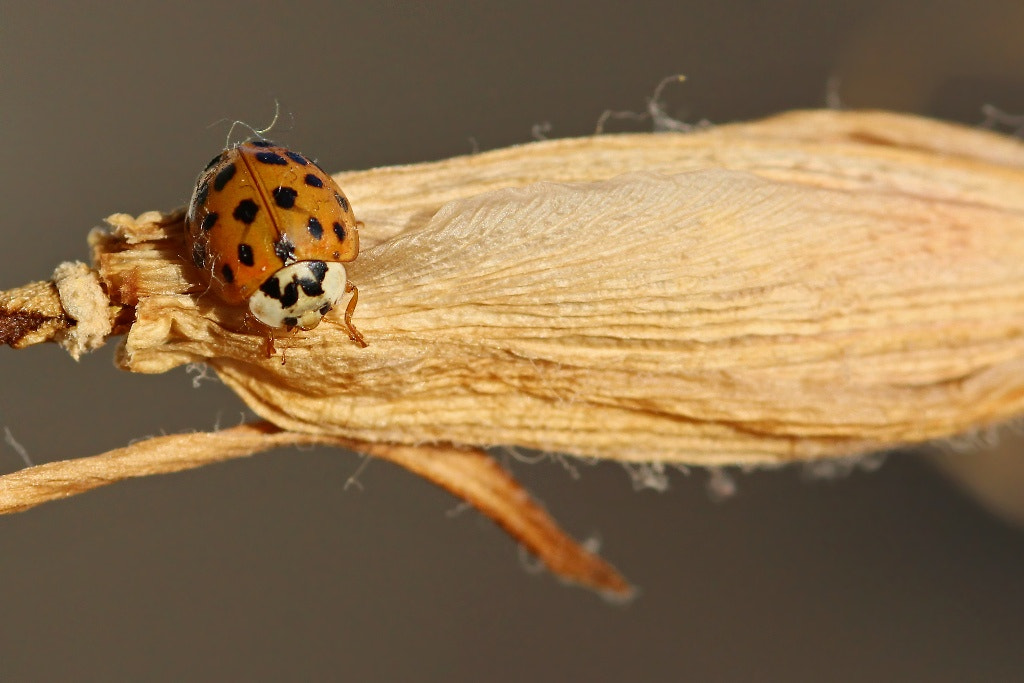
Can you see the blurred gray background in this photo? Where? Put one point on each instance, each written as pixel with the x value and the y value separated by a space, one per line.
pixel 265 569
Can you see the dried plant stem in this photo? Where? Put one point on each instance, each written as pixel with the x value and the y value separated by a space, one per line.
pixel 31 314
pixel 467 473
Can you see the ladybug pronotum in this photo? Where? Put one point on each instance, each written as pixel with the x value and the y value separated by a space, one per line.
pixel 269 227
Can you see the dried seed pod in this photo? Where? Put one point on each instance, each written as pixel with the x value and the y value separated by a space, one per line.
pixel 818 284
pixel 809 299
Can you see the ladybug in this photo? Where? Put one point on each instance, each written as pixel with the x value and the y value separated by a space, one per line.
pixel 269 227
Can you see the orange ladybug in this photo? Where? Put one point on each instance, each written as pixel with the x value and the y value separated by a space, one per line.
pixel 269 227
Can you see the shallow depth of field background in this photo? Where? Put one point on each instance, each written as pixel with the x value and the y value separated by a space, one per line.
pixel 267 569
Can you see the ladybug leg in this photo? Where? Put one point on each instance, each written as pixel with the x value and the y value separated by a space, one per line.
pixel 269 345
pixel 252 325
pixel 353 333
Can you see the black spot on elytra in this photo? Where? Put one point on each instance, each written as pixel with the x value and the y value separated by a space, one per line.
pixel 223 176
pixel 198 255
pixel 315 228
pixel 246 211
pixel 262 143
pixel 291 322
pixel 297 158
pixel 272 158
pixel 319 270
pixel 290 296
pixel 284 249
pixel 213 162
pixel 325 309
pixel 229 275
pixel 285 197
pixel 202 192
pixel 245 256
pixel 271 288
pixel 339 230
pixel 313 180
pixel 209 220
pixel 342 202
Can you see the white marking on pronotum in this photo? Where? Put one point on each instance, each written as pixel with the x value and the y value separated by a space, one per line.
pixel 311 294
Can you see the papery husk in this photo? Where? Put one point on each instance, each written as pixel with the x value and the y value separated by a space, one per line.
pixel 816 285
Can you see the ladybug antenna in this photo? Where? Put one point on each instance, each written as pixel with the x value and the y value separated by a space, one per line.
pixel 256 133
